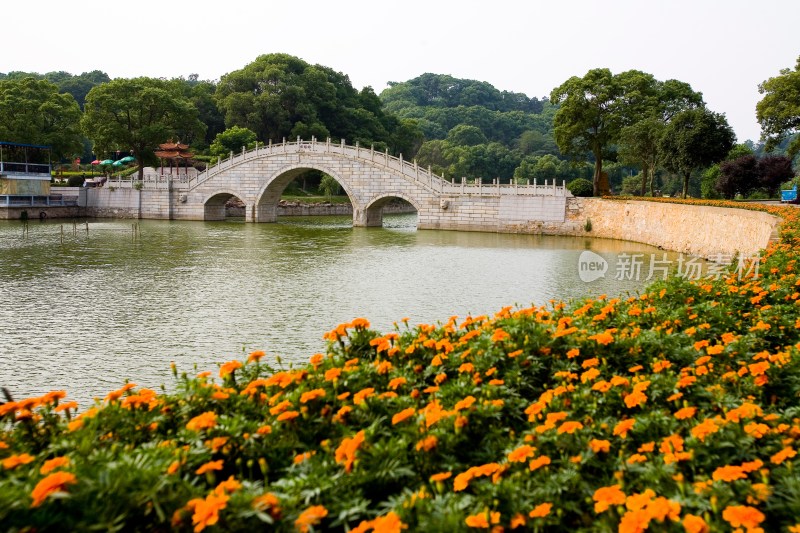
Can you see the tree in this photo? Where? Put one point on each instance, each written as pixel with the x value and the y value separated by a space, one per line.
pixel 587 120
pixel 137 115
pixel 774 170
pixel 33 111
pixel 737 176
pixel 232 140
pixel 695 138
pixel 638 144
pixel 463 135
pixel 779 111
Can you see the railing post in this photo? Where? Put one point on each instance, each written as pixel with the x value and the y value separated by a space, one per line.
pixel 328 144
pixel 372 152
pixel 386 156
pixel 284 145
pixel 358 151
pixel 341 143
pixel 298 140
pixel 401 163
pixel 243 151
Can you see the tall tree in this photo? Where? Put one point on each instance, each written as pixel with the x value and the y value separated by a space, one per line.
pixel 33 111
pixel 695 138
pixel 137 115
pixel 587 119
pixel 779 111
pixel 774 170
pixel 737 176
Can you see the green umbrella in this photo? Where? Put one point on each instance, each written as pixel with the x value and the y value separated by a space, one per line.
pixel 107 162
pixel 117 163
pixel 128 159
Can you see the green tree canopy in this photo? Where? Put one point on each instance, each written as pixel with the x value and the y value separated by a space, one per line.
pixel 694 139
pixel 778 112
pixel 232 140
pixel 464 135
pixel 33 111
pixel 137 115
pixel 279 95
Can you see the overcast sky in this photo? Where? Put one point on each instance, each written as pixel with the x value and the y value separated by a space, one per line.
pixel 724 49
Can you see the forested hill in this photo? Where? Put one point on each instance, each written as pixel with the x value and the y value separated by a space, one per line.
pixel 440 102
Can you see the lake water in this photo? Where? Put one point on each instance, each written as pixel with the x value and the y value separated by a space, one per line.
pixel 105 305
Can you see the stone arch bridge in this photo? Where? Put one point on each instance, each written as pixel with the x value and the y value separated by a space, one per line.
pixel 371 179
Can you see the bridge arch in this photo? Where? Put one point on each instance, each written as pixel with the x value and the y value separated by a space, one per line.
pixel 266 205
pixel 373 211
pixel 214 203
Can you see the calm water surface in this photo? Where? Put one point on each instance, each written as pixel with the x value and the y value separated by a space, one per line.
pixel 86 314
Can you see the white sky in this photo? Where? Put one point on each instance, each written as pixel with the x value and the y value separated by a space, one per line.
pixel 723 48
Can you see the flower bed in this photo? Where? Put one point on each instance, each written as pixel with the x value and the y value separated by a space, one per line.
pixel 678 409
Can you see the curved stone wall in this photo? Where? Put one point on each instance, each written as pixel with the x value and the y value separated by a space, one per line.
pixel 692 229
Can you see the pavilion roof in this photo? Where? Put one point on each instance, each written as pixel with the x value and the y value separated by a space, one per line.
pixel 173 146
pixel 173 154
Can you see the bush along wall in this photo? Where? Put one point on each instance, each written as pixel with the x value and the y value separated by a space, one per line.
pixel 674 410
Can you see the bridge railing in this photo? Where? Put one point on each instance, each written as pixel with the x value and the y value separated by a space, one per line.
pixel 410 170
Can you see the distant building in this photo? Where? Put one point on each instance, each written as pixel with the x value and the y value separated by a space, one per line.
pixel 24 170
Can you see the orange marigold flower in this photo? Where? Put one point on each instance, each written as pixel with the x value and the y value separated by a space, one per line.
pixel 288 415
pixel 728 473
pixel 499 335
pixel 312 395
pixel 478 521
pixel 541 510
pixel 203 421
pixel 573 353
pixel 781 456
pixel 704 429
pixel 310 517
pixel 397 382
pixel 539 462
pixel 346 452
pixel 636 458
pixel 428 443
pixel 569 427
pixel 389 523
pixel 53 464
pixel 266 502
pixel 403 415
pixel 209 466
pixel 55 482
pixel 598 446
pixel 360 396
pixel 686 412
pixel 229 367
pixel 333 374
pixel 9 463
pixel 623 427
pixel 521 454
pixel 173 467
pixel 695 524
pixel 441 476
pixel 466 403
pixel 255 356
pixel 742 516
pixel 228 486
pixel 206 511
pixel 604 338
pixel 605 497
pixel 518 520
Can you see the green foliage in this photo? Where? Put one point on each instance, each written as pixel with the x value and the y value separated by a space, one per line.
pixel 778 112
pixel 34 112
pixel 137 114
pixel 329 186
pixel 75 181
pixel 580 187
pixel 232 140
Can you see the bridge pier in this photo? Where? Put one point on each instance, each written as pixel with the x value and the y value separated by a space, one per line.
pixel 264 213
pixel 367 218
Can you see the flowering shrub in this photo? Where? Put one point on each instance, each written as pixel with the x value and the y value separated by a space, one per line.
pixel 674 410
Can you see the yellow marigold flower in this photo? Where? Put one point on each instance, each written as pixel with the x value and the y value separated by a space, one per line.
pixel 623 427
pixel 55 482
pixel 605 497
pixel 742 516
pixel 781 456
pixel 53 464
pixel 209 466
pixel 521 454
pixel 310 517
pixel 403 415
pixel 541 510
pixel 9 463
pixel 206 420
